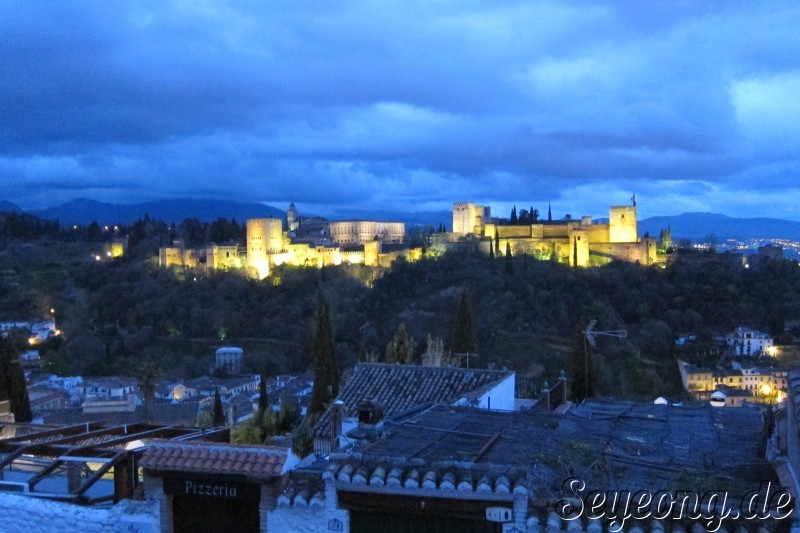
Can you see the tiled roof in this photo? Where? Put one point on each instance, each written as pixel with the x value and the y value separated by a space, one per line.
pixel 303 491
pixel 428 477
pixel 401 387
pixel 641 446
pixel 183 413
pixel 258 462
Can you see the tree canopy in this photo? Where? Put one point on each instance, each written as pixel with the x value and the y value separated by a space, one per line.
pixel 326 374
pixel 12 381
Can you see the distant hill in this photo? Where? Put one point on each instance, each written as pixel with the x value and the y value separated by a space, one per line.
pixel 8 207
pixel 84 211
pixel 691 226
pixel 696 226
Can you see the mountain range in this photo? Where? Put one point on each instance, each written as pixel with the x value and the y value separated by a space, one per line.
pixel 84 211
pixel 698 226
pixel 691 226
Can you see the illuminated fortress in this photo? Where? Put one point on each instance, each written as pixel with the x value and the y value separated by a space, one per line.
pixel 574 242
pixel 271 242
pixel 316 242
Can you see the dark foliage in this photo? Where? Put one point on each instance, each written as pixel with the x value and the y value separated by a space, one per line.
pixel 117 314
pixel 326 375
pixel 218 414
pixel 12 381
pixel 464 341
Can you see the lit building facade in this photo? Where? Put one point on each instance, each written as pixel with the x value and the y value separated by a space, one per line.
pixel 469 218
pixel 748 342
pixel 359 232
pixel 230 359
pixel 575 242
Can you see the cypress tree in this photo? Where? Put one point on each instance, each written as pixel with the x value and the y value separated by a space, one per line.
pixel 326 377
pixel 513 215
pixel 509 264
pixel 401 348
pixel 491 249
pixel 148 375
pixel 12 382
pixel 218 414
pixel 263 402
pixel 464 331
pixel 575 251
pixel 549 213
pixel 581 370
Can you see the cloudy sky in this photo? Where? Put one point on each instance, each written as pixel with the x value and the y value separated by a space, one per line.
pixel 692 105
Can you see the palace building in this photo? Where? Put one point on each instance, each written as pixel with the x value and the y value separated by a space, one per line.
pixel 313 241
pixel 576 242
pixel 298 241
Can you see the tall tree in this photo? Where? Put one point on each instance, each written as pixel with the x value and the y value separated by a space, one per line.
pixel 580 370
pixel 549 213
pixel 326 375
pixel 435 355
pixel 464 341
pixel 218 413
pixel 509 264
pixel 575 251
pixel 263 402
pixel 148 374
pixel 401 348
pixel 12 381
pixel 513 215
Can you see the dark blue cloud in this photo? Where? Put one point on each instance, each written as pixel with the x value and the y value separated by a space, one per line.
pixel 403 104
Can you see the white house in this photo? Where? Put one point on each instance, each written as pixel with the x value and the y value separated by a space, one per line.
pixel 746 341
pixel 229 359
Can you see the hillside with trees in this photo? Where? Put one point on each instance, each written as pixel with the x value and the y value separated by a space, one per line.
pixel 522 313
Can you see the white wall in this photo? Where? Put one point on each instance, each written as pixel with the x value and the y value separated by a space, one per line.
pixel 500 397
pixel 311 519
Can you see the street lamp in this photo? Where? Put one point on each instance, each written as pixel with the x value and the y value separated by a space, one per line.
pixel 767 393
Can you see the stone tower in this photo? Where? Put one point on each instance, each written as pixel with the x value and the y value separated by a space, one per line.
pixel 292 218
pixel 622 225
pixel 264 236
pixel 469 218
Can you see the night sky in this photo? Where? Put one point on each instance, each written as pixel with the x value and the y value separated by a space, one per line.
pixel 692 105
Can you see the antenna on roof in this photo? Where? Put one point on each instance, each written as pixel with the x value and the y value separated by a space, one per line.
pixel 591 333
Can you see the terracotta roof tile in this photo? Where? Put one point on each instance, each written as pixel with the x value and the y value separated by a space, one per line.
pixel 401 387
pixel 215 458
pixel 430 476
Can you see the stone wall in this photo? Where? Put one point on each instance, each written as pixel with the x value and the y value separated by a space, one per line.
pixel 25 514
pixel 297 519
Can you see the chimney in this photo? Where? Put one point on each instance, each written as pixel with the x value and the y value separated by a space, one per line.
pixel 546 394
pixel 336 421
pixel 370 419
pixel 369 412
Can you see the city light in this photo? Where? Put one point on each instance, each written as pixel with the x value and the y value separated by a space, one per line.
pixel 772 351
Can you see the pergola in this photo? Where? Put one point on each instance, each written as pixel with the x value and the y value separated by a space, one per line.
pixel 67 463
